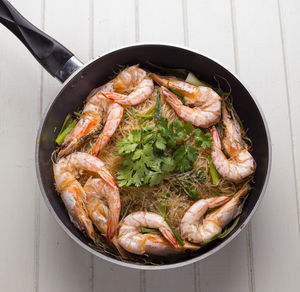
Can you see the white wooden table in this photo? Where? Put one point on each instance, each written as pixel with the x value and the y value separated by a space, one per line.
pixel 259 40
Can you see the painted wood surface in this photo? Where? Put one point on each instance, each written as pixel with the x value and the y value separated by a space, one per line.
pixel 256 39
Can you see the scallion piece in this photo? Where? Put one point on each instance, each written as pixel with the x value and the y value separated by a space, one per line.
pixel 150 110
pixel 77 114
pixel 222 234
pixel 144 116
pixel 149 230
pixel 213 172
pixel 66 121
pixel 61 137
pixel 157 110
pixel 179 94
pixel 178 238
pixel 192 79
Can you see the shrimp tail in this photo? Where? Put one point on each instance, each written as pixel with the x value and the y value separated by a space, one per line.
pixel 88 227
pixel 169 236
pixel 215 137
pixel 107 177
pixel 123 253
pixel 112 224
pixel 70 146
pixel 218 201
pixel 117 97
pixel 159 80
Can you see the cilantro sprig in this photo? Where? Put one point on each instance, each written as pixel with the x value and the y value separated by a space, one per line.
pixel 145 161
pixel 158 148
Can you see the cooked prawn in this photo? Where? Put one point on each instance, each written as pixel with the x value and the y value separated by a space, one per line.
pixel 198 230
pixel 103 206
pixel 73 195
pixel 237 167
pixel 133 240
pixel 98 188
pixel 114 116
pixel 99 109
pixel 232 140
pixel 206 110
pixel 142 92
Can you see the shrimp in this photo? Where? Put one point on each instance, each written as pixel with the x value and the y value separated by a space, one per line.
pixel 206 110
pixel 197 229
pixel 103 206
pixel 73 195
pixel 128 79
pixel 232 140
pixel 99 109
pixel 237 167
pixel 114 116
pixel 131 238
pixel 142 92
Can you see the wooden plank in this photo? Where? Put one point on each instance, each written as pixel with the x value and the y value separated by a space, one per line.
pixel 210 31
pixel 111 277
pixel 114 26
pixel 161 21
pixel 290 20
pixel 20 100
pixel 63 264
pixel 180 279
pixel 152 14
pixel 275 239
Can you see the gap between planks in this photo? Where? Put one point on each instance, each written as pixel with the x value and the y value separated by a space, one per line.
pixel 38 194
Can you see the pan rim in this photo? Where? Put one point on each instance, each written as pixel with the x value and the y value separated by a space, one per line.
pixel 138 266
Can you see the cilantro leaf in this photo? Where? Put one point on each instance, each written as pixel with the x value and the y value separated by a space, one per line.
pixel 185 156
pixel 128 144
pixel 203 140
pixel 161 143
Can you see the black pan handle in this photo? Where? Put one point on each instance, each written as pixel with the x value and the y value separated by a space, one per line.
pixel 53 56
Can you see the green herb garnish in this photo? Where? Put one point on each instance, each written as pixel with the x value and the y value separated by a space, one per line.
pixel 61 137
pixel 184 157
pixel 179 94
pixel 155 150
pixel 213 172
pixel 189 190
pixel 163 213
pixel 178 238
pixel 163 207
pixel 203 140
pixel 222 234
pixel 133 112
pixel 77 114
pixel 145 160
pixel 149 230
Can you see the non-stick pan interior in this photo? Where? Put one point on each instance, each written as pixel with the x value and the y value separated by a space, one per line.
pixel 99 71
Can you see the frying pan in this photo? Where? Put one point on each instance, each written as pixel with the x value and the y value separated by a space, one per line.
pixel 78 80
